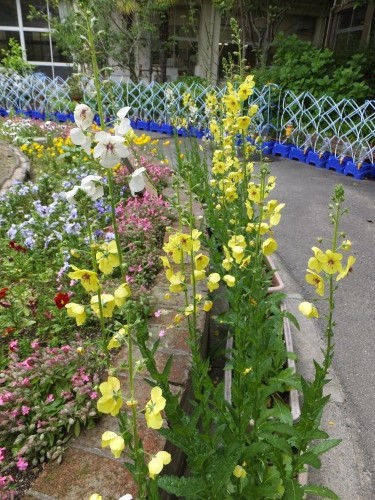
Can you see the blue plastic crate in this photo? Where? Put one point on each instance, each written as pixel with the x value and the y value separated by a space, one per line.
pixel 196 132
pixel 337 164
pixel 267 147
pixel 155 127
pixel 319 160
pixel 182 132
pixel 143 125
pixel 37 115
pixel 281 149
pixel 352 169
pixel 167 129
pixel 298 154
pixel 3 112
pixel 133 123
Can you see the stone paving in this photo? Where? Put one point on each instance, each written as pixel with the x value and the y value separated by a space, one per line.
pixel 14 166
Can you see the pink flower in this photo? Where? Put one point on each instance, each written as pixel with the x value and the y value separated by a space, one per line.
pixel 13 346
pixel 93 395
pixel 25 410
pixel 65 348
pixel 50 398
pixel 162 333
pixel 35 344
pixel 2 454
pixel 25 381
pixel 22 464
pixel 157 313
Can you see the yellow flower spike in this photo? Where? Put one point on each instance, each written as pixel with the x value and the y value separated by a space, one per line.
pixel 207 306
pixel 111 400
pixel 347 269
pixel 308 309
pixel 108 304
pixel 76 311
pixel 229 280
pixel 213 281
pixel 156 464
pixel 269 246
pixel 89 280
pixel 114 441
pixel 153 408
pixel 331 264
pixel 201 262
pixel 315 280
pixel 122 293
pixel 239 472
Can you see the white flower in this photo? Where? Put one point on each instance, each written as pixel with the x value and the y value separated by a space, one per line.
pixel 110 149
pixel 69 195
pixel 128 496
pixel 90 185
pixel 137 181
pixel 83 116
pixel 123 126
pixel 80 139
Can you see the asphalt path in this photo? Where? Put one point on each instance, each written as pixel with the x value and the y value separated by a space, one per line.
pixel 306 191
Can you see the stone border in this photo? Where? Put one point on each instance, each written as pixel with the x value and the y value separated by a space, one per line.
pixel 21 168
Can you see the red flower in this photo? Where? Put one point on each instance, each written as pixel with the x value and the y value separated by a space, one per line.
pixel 17 248
pixel 3 292
pixel 61 299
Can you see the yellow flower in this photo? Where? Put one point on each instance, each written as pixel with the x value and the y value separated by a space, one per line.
pixel 254 192
pixel 331 262
pixel 239 472
pixel 238 253
pixel 207 306
pixel 227 264
pixel 189 309
pixel 108 304
pixel 315 263
pixel 213 281
pixel 116 340
pixel 201 262
pixel 347 269
pixel 232 103
pixel 346 245
pixel 308 310
pixel 253 110
pixel 231 194
pixel 269 246
pixel 76 311
pixel 156 464
pixel 244 91
pixel 153 408
pixel 272 211
pixel 111 400
pixel 243 122
pixel 316 280
pixel 95 496
pixel 165 262
pixel 229 280
pixel 108 257
pixel 199 275
pixel 237 240
pixel 89 279
pixel 114 441
pixel 122 293
pixel 176 281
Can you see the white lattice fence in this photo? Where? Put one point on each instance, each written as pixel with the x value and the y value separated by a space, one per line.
pixel 344 127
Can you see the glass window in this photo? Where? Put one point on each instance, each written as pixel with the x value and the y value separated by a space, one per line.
pixel 57 56
pixel 350 18
pixel 63 71
pixel 37 46
pixel 6 35
pixel 9 13
pixel 41 7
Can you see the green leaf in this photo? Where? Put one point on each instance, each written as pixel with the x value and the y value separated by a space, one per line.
pixel 77 428
pixel 321 491
pixel 181 486
pixel 293 490
pixel 324 446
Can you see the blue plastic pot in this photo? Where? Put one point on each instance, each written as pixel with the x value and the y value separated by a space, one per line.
pixel 155 127
pixel 143 125
pixel 166 129
pixel 298 154
pixel 337 164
